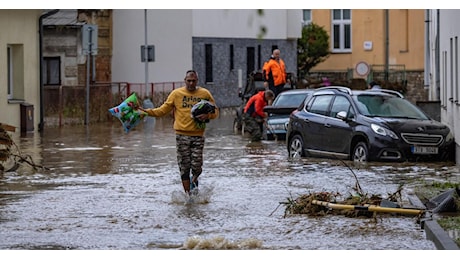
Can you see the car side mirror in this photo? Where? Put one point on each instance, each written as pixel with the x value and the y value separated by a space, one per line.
pixel 342 115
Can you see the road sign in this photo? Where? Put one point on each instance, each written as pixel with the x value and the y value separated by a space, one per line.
pixel 89 39
pixel 150 53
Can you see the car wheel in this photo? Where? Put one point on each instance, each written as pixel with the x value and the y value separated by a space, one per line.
pixel 236 126
pixel 360 153
pixel 243 133
pixel 296 147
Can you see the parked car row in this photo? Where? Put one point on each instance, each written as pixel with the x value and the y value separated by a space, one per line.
pixel 279 111
pixel 358 125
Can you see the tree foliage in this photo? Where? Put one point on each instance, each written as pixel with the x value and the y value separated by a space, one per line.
pixel 312 48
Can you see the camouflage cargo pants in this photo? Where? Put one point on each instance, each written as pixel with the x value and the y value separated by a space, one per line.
pixel 253 126
pixel 189 151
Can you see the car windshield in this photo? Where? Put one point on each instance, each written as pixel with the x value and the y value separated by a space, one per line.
pixel 387 106
pixel 289 100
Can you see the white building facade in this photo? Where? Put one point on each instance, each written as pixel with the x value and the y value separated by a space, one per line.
pixel 223 46
pixel 442 66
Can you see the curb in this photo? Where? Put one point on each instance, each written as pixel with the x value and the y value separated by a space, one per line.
pixel 434 232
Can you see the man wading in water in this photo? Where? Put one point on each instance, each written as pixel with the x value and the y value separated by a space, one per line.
pixel 189 130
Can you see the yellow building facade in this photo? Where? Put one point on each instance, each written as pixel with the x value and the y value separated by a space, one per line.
pixel 372 38
pixel 19 69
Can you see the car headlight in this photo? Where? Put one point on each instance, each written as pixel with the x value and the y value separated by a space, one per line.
pixel 449 136
pixel 383 131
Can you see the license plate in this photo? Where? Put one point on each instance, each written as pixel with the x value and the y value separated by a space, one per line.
pixel 424 150
pixel 279 127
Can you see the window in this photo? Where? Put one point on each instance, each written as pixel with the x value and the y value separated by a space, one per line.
pixel 341 30
pixel 51 70
pixel 456 70
pixel 232 56
pixel 208 60
pixel 451 82
pixel 10 72
pixel 250 60
pixel 15 71
pixel 444 82
pixel 320 104
pixel 259 57
pixel 306 17
pixel 340 104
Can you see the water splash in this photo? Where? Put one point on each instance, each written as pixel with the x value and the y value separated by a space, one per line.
pixel 199 243
pixel 203 196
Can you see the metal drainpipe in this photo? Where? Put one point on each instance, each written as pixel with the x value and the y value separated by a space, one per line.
pixel 40 32
pixel 437 60
pixel 387 45
pixel 427 53
pixel 146 55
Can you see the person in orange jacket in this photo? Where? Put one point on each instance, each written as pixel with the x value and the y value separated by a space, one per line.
pixel 274 71
pixel 254 115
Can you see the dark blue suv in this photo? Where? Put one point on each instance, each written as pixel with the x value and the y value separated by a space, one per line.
pixel 366 125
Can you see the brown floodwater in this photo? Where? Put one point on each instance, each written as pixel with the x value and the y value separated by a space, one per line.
pixel 106 189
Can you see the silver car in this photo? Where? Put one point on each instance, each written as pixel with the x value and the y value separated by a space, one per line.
pixel 278 113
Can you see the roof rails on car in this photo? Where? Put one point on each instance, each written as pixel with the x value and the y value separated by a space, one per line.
pixel 339 88
pixel 388 91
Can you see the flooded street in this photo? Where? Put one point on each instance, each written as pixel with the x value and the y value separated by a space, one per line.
pixel 109 190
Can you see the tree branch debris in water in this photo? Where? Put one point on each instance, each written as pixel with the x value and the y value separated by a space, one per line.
pixel 10 152
pixel 366 205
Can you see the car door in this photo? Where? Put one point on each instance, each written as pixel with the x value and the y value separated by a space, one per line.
pixel 313 122
pixel 337 133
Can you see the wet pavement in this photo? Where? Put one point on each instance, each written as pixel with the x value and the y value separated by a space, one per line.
pixel 106 189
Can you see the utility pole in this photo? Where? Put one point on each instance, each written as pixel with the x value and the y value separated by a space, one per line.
pixel 146 55
pixel 89 40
